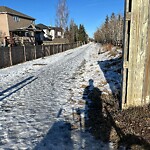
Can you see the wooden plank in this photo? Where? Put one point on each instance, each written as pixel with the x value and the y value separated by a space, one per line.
pixel 124 90
pixel 146 85
pixel 127 5
pixel 141 57
pixel 125 49
pixel 137 47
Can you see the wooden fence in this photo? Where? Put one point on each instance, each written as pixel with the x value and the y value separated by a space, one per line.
pixel 136 65
pixel 14 55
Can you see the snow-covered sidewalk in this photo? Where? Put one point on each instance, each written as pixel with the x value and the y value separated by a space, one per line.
pixel 40 99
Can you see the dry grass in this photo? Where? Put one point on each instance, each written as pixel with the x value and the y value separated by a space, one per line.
pixel 104 82
pixel 83 86
pixel 112 53
pixel 108 47
pixel 81 102
pixel 112 50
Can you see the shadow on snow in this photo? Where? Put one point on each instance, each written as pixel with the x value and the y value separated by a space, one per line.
pixel 13 89
pixel 98 122
pixel 57 138
pixel 112 71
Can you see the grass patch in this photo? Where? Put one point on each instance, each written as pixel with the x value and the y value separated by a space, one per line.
pixel 104 82
pixel 108 47
pixel 112 53
pixel 83 86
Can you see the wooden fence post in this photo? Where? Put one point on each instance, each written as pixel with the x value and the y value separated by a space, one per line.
pixel 135 86
pixel 61 47
pixel 35 51
pixel 57 48
pixel 53 49
pixel 43 53
pixel 10 56
pixel 24 52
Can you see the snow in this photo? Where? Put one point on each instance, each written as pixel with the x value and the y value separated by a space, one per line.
pixel 39 98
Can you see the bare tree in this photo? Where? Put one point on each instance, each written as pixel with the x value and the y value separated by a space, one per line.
pixel 111 31
pixel 62 14
pixel 120 29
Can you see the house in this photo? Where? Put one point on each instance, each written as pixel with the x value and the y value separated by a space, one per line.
pixel 49 34
pixel 16 26
pixel 46 30
pixel 56 32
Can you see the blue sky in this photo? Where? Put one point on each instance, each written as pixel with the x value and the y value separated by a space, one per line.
pixel 90 13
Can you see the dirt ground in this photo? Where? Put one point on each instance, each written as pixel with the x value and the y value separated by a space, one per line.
pixel 128 128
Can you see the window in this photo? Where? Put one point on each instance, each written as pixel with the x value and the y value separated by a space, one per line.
pixel 16 18
pixel 32 22
pixel 26 34
pixel 59 33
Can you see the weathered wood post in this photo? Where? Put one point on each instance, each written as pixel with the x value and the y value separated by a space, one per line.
pixel 24 53
pixel 43 51
pixel 10 56
pixel 35 49
pixel 53 48
pixel 136 56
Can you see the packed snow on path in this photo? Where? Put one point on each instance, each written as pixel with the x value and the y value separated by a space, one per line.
pixel 38 100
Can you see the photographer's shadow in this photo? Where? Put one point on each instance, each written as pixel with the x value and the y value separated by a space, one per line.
pixel 99 120
pixel 95 121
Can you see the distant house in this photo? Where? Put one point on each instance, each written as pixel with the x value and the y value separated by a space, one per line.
pixel 46 30
pixel 17 27
pixel 56 32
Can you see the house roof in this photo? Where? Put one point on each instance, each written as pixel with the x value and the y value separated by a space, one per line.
pixel 56 28
pixel 27 28
pixel 4 9
pixel 42 26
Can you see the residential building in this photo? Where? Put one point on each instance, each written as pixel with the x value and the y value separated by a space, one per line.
pixel 49 34
pixel 16 26
pixel 20 29
pixel 46 30
pixel 56 32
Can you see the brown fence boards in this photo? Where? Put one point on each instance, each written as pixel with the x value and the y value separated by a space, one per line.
pixel 30 52
pixel 17 55
pixel 4 57
pixel 14 55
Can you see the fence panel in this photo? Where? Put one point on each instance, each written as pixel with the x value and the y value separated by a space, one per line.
pixel 4 57
pixel 39 51
pixel 14 55
pixel 30 53
pixel 47 51
pixel 55 49
pixel 51 49
pixel 17 54
pixel 59 48
pixel 67 46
